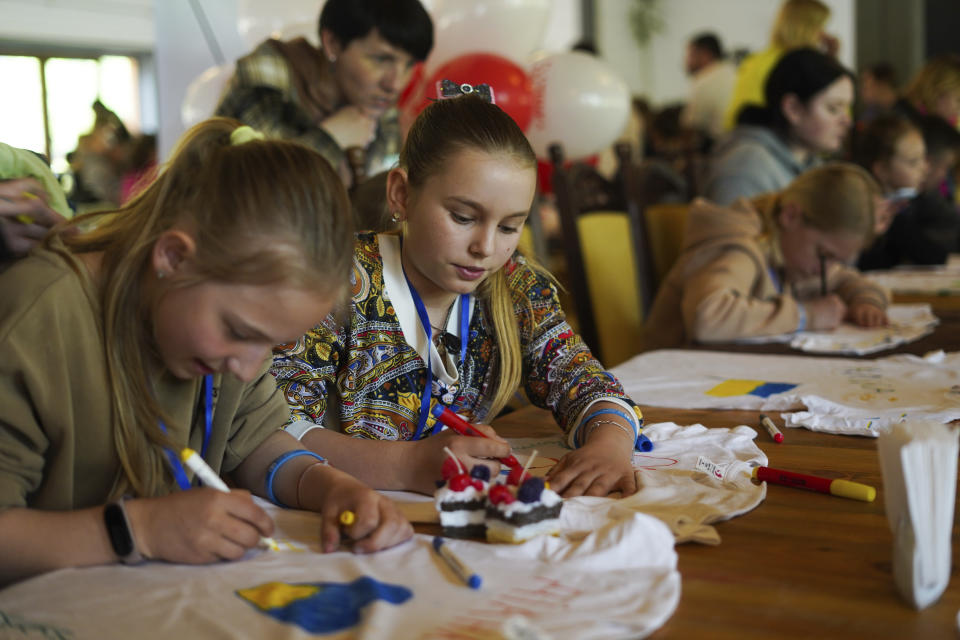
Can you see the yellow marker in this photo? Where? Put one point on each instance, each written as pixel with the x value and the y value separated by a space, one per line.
pixel 23 218
pixel 842 488
pixel 347 518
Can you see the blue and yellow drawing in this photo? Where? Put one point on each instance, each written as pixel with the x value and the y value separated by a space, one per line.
pixel 761 388
pixel 322 607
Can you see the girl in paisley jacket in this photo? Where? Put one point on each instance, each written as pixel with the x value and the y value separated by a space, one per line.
pixel 453 290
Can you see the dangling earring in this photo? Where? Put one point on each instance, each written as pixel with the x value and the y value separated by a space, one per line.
pixel 396 216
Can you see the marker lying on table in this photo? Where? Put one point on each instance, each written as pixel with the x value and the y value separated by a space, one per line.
pixel 464 428
pixel 207 476
pixel 463 572
pixel 842 488
pixel 771 428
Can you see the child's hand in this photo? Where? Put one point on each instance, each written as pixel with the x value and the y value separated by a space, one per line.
pixel 866 314
pixel 198 526
pixel 469 450
pixel 825 313
pixel 377 522
pixel 25 217
pixel 602 465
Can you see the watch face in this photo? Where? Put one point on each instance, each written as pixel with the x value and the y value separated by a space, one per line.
pixel 120 538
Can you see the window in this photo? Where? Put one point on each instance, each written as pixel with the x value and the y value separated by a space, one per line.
pixel 55 97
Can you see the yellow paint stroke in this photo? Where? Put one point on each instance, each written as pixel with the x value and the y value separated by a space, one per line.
pixel 729 388
pixel 271 595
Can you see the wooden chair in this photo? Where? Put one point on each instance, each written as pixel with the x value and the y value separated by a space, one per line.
pixel 666 224
pixel 611 272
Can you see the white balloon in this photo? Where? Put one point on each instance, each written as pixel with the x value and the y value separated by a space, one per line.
pixel 508 28
pixel 203 94
pixel 579 102
pixel 258 20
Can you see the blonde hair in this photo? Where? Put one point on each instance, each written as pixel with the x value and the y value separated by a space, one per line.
pixel 799 24
pixel 261 212
pixel 939 76
pixel 836 197
pixel 447 127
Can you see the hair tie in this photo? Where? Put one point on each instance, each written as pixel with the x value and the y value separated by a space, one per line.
pixel 450 89
pixel 243 134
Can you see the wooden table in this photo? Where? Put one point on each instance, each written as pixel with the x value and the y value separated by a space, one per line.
pixel 802 564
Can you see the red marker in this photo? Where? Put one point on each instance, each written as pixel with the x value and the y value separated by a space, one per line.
pixel 842 488
pixel 464 428
pixel 771 428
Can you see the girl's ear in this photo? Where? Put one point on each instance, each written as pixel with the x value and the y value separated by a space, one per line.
pixel 790 216
pixel 331 45
pixel 172 252
pixel 793 109
pixel 398 192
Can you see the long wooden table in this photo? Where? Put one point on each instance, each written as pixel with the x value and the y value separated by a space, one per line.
pixel 800 565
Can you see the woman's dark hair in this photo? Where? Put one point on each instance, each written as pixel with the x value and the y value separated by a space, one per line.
pixel 402 23
pixel 803 72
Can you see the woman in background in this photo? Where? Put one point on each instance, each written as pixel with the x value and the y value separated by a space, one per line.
pixel 807 114
pixel 800 23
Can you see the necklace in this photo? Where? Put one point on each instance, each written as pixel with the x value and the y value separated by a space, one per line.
pixel 440 337
pixel 446 318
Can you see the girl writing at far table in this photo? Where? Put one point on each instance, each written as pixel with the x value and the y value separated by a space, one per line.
pixel 123 345
pixel 774 264
pixel 450 312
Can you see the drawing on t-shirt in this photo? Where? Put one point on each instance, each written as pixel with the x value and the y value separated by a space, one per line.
pixel 322 607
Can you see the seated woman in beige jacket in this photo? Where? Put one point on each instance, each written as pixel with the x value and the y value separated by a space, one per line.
pixel 774 264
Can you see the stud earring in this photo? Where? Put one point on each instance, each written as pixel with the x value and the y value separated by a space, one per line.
pixel 160 275
pixel 396 216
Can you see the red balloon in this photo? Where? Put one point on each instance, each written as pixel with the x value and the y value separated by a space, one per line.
pixel 512 87
pixel 416 77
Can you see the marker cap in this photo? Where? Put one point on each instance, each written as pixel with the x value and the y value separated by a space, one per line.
pixel 854 490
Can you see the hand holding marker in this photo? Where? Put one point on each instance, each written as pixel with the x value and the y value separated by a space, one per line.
pixel 447 417
pixel 207 476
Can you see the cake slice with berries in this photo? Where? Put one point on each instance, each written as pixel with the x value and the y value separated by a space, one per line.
pixel 461 500
pixel 522 508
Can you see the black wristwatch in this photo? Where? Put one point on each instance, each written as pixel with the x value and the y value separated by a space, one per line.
pixel 120 533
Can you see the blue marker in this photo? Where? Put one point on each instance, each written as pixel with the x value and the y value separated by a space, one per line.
pixel 644 443
pixel 463 572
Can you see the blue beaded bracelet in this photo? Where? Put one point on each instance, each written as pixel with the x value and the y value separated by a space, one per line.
pixel 281 460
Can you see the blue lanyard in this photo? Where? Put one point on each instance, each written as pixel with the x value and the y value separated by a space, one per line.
pixel 775 278
pixel 425 321
pixel 179 473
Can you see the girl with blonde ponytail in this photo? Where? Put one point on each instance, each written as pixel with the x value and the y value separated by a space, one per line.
pixel 124 344
pixel 453 290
